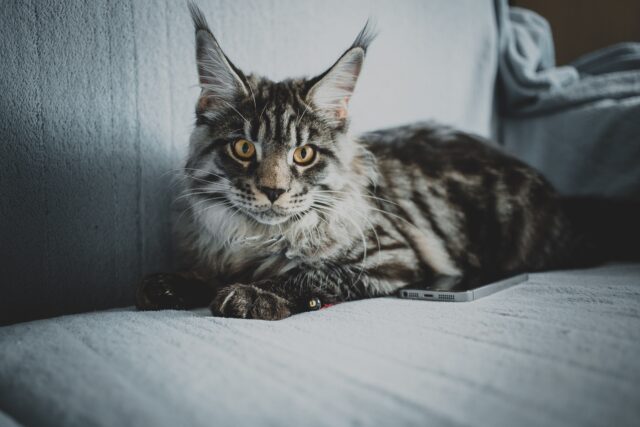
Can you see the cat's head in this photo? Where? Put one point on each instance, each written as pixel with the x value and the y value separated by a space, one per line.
pixel 272 152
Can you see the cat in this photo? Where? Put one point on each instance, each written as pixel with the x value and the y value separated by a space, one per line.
pixel 284 204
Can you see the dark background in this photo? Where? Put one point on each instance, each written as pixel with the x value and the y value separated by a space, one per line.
pixel 581 26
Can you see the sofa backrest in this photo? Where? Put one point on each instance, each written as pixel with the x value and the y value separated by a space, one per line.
pixel 97 103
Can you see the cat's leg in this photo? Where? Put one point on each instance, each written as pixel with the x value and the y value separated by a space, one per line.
pixel 281 297
pixel 252 301
pixel 177 291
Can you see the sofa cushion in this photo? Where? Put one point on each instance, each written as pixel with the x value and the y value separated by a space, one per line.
pixel 561 349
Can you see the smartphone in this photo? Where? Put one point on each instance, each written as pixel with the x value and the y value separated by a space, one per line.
pixel 457 289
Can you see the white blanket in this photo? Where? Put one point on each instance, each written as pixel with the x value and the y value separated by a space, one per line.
pixel 562 349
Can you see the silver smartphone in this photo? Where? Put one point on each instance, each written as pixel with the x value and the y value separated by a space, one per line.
pixel 456 289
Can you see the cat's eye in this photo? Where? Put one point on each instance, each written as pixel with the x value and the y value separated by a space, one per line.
pixel 243 149
pixel 304 155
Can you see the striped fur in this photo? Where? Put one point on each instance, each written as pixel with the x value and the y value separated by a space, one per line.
pixel 369 215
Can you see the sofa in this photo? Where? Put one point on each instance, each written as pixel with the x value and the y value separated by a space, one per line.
pixel 97 103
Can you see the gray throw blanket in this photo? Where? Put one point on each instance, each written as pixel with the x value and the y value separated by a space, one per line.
pixel 579 124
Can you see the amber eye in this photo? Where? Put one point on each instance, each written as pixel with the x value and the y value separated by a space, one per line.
pixel 304 155
pixel 243 149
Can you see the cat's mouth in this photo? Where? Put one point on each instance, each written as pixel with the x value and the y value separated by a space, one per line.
pixel 269 216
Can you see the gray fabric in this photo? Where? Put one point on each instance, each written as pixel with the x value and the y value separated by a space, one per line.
pixel 561 349
pixel 97 102
pixel 578 124
pixel 593 149
pixel 619 57
pixel 5 421
pixel 534 85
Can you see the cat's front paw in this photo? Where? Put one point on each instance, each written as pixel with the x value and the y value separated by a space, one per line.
pixel 249 302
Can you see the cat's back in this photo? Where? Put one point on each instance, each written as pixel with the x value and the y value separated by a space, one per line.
pixel 475 197
pixel 435 155
pixel 436 149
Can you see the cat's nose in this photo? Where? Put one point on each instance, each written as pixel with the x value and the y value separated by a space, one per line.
pixel 272 193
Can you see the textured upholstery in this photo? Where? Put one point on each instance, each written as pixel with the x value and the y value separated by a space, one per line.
pixel 559 350
pixel 97 103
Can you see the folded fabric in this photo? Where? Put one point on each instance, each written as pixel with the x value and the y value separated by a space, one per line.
pixel 578 124
pixel 619 57
pixel 532 84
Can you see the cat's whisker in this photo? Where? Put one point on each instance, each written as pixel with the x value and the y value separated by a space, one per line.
pixel 318 230
pixel 203 183
pixel 193 206
pixel 363 195
pixel 177 177
pixel 255 107
pixel 212 203
pixel 306 108
pixel 362 235
pixel 304 235
pixel 353 211
pixel 382 212
pixel 194 193
pixel 207 173
pixel 203 211
pixel 165 173
pixel 209 184
pixel 227 242
pixel 234 109
pixel 208 203
pixel 363 216
pixel 210 187
pixel 262 112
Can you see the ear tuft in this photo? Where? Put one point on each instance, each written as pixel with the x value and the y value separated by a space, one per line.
pixel 199 20
pixel 365 36
pixel 331 91
pixel 220 80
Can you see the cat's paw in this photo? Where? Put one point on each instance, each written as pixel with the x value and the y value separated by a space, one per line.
pixel 249 302
pixel 171 291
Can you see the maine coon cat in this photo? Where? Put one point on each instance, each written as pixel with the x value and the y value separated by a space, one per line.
pixel 284 204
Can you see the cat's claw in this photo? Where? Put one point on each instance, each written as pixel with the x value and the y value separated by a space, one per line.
pixel 249 302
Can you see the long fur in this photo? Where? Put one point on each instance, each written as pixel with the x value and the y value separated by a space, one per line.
pixel 366 217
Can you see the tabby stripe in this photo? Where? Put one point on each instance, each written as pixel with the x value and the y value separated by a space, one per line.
pixel 312 132
pixel 424 206
pixel 291 130
pixel 299 140
pixel 326 152
pixel 277 126
pixel 437 256
pixel 403 255
pixel 255 129
pixel 208 149
pixel 267 125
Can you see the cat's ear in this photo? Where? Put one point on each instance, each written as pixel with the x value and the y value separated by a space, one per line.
pixel 331 91
pixel 220 80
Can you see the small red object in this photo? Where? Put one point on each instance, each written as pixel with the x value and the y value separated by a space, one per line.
pixel 315 304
